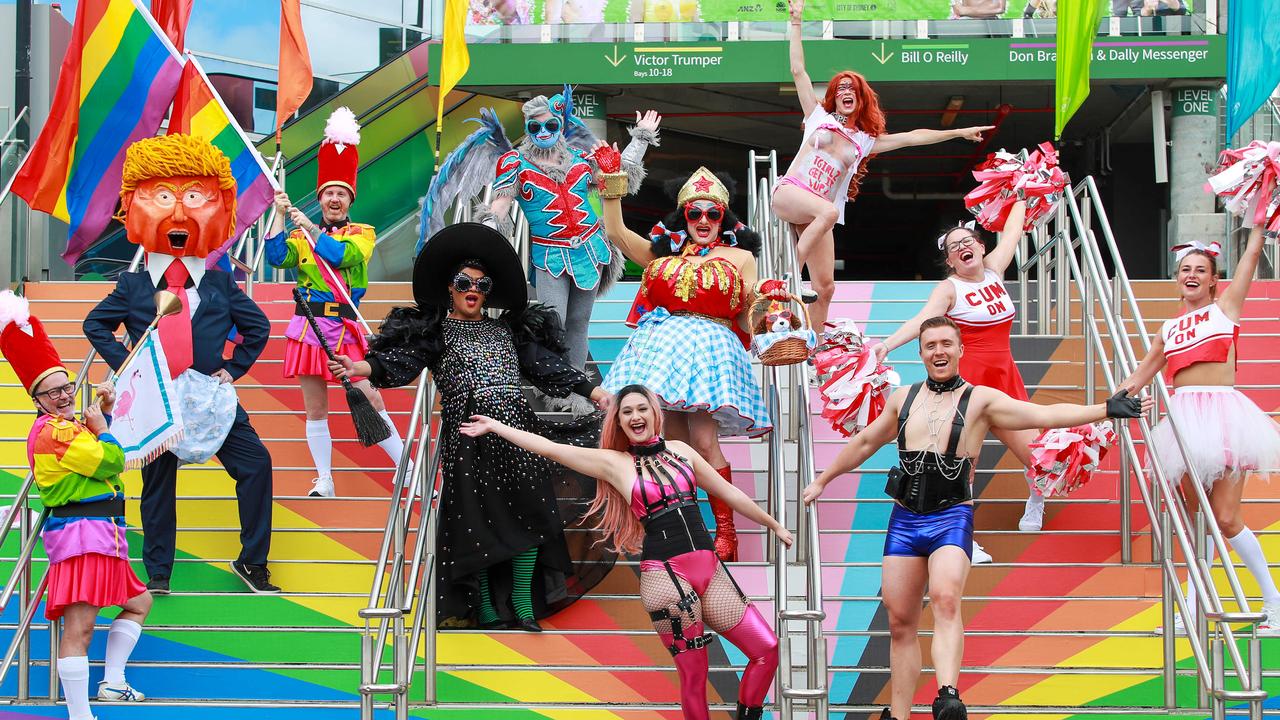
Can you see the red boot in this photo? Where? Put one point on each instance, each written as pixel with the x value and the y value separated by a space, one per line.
pixel 726 535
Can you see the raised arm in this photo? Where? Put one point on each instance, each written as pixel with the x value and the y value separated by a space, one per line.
pixel 1007 246
pixel 795 55
pixel 939 302
pixel 636 248
pixel 1146 371
pixel 716 486
pixel 607 465
pixel 1232 299
pixel 860 446
pixel 1004 412
pixel 926 136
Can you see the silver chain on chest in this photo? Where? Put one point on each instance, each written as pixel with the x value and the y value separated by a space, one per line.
pixel 913 461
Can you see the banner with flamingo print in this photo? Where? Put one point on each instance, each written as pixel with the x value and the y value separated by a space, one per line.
pixel 147 419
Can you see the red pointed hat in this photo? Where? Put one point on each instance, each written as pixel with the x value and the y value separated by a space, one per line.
pixel 337 157
pixel 25 344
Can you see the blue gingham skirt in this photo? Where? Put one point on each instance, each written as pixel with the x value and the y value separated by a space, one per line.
pixel 693 364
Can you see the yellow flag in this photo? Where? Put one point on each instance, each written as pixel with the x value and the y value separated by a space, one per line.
pixel 454 58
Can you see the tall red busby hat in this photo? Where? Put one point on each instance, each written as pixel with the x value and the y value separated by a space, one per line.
pixel 338 158
pixel 25 344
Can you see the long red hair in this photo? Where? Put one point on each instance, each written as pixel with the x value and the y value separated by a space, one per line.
pixel 618 525
pixel 867 116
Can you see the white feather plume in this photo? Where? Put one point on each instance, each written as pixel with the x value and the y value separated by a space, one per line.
pixel 342 128
pixel 14 309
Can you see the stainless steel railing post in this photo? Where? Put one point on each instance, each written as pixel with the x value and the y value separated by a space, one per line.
pixel 25 606
pixel 1167 609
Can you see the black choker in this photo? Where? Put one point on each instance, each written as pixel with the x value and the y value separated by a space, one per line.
pixel 945 385
pixel 649 449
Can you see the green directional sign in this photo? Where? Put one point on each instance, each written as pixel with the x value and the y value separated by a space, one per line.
pixel 977 59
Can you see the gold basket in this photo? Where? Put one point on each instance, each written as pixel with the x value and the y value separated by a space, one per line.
pixel 787 351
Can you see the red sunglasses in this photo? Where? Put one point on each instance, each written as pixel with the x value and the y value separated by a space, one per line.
pixel 693 213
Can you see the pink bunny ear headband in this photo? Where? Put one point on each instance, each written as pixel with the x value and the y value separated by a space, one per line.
pixel 1180 251
pixel 971 225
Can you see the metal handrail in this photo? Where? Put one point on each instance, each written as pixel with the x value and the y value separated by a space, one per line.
pixel 778 260
pixel 1170 521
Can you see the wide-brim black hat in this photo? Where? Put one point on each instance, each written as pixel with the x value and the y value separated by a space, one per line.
pixel 443 252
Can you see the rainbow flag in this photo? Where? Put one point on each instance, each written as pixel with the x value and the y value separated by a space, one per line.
pixel 198 111
pixel 114 87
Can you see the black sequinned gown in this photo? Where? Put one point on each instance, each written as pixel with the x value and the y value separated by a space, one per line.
pixel 499 500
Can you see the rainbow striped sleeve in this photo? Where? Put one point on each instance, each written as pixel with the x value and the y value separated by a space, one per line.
pixel 70 463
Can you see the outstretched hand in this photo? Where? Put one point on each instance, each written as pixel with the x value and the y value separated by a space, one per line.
pixel 974 134
pixel 479 425
pixel 650 120
pixel 1123 405
pixel 796 9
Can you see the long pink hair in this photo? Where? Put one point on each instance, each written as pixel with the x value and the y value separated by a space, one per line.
pixel 619 526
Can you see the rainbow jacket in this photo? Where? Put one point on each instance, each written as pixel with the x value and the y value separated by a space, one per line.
pixel 72 465
pixel 346 249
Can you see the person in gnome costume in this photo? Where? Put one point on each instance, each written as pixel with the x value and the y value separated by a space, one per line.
pixel 177 200
pixel 332 262
pixel 77 465
pixel 504 558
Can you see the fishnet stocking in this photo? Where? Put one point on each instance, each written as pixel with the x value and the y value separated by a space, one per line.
pixel 722 605
pixel 658 593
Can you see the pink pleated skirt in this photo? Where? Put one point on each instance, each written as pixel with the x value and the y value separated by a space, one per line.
pixel 93 579
pixel 305 359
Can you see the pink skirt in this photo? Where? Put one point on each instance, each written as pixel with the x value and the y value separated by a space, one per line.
pixel 93 579
pixel 305 359
pixel 1228 436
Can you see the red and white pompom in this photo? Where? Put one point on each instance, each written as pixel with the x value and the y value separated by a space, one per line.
pixel 1064 459
pixel 1005 178
pixel 1246 180
pixel 853 386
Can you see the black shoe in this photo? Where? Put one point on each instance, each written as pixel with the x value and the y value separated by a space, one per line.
pixel 529 625
pixel 749 713
pixel 495 624
pixel 257 577
pixel 158 585
pixel 885 714
pixel 947 706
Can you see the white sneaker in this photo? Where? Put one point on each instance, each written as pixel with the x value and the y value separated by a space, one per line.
pixel 118 693
pixel 1033 516
pixel 980 556
pixel 321 487
pixel 1179 628
pixel 1270 625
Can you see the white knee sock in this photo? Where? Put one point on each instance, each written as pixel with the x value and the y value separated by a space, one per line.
pixel 393 445
pixel 1191 588
pixel 74 674
pixel 321 445
pixel 121 638
pixel 1246 545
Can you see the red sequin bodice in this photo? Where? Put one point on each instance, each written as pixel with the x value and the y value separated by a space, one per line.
pixel 712 289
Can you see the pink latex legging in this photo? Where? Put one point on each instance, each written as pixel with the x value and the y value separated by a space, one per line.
pixel 723 609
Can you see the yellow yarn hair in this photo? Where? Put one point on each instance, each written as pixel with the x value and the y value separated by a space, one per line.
pixel 173 155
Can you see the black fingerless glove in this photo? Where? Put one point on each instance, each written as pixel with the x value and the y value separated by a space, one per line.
pixel 1121 405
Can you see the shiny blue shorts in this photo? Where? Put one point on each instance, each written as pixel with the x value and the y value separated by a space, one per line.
pixel 914 535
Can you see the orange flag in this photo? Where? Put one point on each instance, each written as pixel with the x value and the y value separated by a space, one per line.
pixel 172 16
pixel 295 64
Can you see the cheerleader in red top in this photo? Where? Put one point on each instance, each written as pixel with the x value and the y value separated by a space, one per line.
pixel 690 343
pixel 974 296
pixel 1228 435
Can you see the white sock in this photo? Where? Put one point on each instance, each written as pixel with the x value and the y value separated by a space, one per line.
pixel 121 638
pixel 74 674
pixel 392 446
pixel 1191 588
pixel 1246 545
pixel 321 445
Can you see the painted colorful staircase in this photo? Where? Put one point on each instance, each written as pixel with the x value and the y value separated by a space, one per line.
pixel 1057 623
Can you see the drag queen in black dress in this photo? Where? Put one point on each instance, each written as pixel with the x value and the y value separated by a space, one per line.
pixel 503 556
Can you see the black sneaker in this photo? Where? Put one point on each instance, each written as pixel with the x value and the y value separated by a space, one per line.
pixel 257 577
pixel 886 714
pixel 158 585
pixel 947 706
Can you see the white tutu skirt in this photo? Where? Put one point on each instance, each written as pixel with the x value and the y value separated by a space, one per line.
pixel 1227 435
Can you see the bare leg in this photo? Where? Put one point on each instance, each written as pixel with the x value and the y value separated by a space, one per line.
pixel 77 629
pixel 704 437
pixel 902 585
pixel 315 396
pixel 375 397
pixel 1017 441
pixel 813 219
pixel 948 569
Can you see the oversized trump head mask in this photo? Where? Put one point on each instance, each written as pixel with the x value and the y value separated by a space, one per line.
pixel 177 196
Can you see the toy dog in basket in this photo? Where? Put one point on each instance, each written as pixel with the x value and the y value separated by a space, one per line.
pixel 780 338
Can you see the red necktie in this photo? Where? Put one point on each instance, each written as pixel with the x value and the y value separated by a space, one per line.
pixel 175 329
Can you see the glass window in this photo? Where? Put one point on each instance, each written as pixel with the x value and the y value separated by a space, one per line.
pixel 342 47
pixel 389 10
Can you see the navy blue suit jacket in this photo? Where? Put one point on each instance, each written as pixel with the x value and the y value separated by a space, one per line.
pixel 223 305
